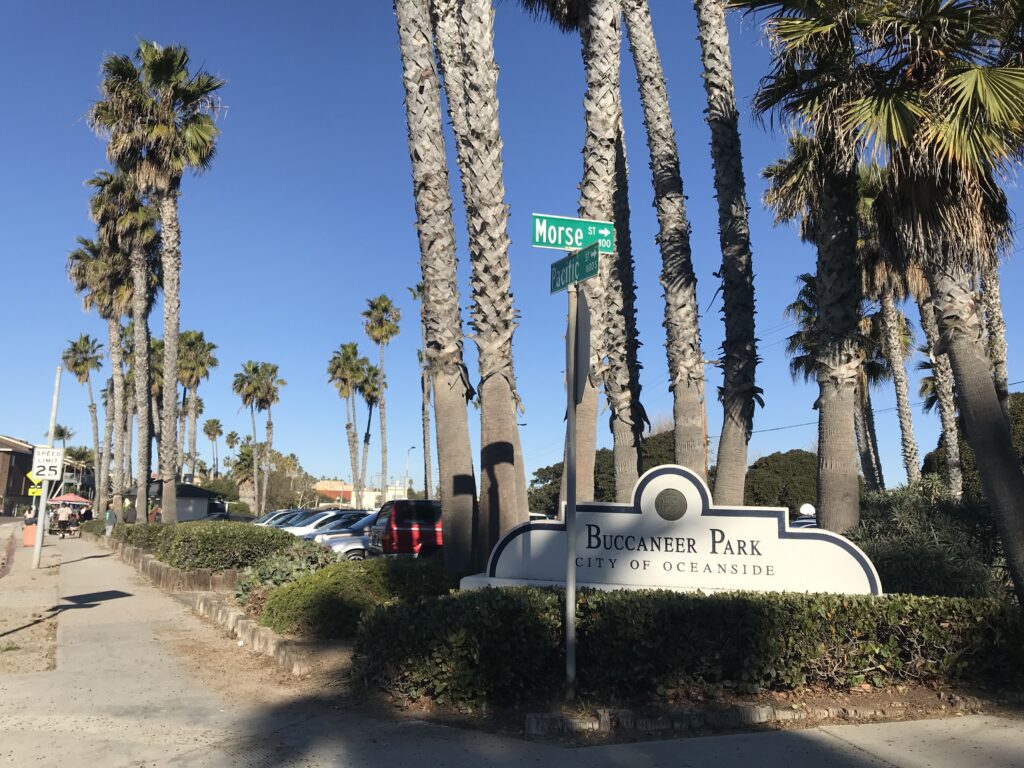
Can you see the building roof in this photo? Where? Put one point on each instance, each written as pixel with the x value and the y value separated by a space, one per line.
pixel 14 445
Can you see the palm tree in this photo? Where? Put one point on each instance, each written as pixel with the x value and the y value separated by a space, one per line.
pixel 123 218
pixel 344 370
pixel 805 186
pixel 268 394
pixel 62 433
pixel 381 325
pixel 995 328
pixel 231 440
pixel 685 357
pixel 739 348
pixel 416 292
pixel 195 363
pixel 102 275
pixel 947 109
pixel 371 386
pixel 247 385
pixel 212 429
pixel 442 319
pixel 158 121
pixel 81 358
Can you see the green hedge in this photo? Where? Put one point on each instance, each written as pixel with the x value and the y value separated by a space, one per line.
pixel 145 536
pixel 93 526
pixel 330 602
pixel 301 558
pixel 504 646
pixel 218 545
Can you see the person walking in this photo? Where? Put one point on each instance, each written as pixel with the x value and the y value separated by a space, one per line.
pixel 63 519
pixel 110 519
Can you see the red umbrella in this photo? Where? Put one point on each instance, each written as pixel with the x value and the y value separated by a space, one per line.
pixel 69 498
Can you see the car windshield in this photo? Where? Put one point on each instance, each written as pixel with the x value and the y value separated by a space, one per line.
pixel 292 519
pixel 343 522
pixel 363 524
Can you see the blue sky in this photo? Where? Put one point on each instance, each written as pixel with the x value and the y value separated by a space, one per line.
pixel 308 211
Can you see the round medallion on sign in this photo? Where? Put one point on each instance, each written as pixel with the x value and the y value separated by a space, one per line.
pixel 670 504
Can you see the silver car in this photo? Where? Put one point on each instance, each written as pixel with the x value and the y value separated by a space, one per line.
pixel 352 543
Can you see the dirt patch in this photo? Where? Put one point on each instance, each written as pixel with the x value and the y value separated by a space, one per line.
pixel 28 641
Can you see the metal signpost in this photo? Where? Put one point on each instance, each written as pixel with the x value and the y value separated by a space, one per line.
pixel 586 239
pixel 43 468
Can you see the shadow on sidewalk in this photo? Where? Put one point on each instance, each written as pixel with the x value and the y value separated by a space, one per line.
pixel 77 560
pixel 87 600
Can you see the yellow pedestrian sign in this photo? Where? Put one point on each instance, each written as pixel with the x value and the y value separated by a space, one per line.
pixel 35 490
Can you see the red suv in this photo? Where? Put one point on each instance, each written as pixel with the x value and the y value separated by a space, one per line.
pixel 407 527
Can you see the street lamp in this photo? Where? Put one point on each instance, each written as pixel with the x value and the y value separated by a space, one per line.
pixel 410 449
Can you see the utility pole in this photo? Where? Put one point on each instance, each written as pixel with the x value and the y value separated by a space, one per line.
pixel 37 550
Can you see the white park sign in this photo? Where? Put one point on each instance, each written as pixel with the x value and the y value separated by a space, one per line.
pixel 672 537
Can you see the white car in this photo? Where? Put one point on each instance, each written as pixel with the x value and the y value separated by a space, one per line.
pixel 314 522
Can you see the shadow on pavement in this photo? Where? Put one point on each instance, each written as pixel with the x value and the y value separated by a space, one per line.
pixel 77 560
pixel 88 600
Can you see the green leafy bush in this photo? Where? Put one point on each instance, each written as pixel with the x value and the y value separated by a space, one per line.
pixel 504 646
pixel 330 602
pixel 219 545
pixel 924 543
pixel 93 526
pixel 300 558
pixel 146 537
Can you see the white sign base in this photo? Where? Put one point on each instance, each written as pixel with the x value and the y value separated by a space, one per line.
pixel 672 537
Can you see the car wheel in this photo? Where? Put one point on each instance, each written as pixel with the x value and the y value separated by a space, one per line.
pixel 356 555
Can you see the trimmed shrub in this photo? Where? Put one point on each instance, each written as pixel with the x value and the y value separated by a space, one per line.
pixel 330 602
pixel 146 537
pixel 300 558
pixel 93 526
pixel 924 543
pixel 219 545
pixel 504 646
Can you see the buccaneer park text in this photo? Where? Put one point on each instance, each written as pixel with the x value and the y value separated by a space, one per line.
pixel 719 544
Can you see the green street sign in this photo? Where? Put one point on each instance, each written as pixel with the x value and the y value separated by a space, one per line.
pixel 574 268
pixel 565 234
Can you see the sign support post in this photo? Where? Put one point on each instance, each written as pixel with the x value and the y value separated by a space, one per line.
pixel 570 497
pixel 37 549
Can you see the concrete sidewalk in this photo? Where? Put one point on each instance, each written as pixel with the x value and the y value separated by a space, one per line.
pixel 121 697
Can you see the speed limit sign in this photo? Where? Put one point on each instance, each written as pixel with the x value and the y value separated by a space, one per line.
pixel 47 463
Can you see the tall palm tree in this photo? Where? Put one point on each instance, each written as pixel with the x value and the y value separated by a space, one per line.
pixel 102 275
pixel 947 109
pixel 805 186
pixel 492 313
pixel 123 217
pixel 212 429
pixel 196 361
pixel 370 387
pixel 344 370
pixel 268 393
pixel 416 292
pixel 685 357
pixel 158 120
pixel 442 318
pixel 247 385
pixel 739 391
pixel 381 318
pixel 231 440
pixel 83 356
pixel 62 433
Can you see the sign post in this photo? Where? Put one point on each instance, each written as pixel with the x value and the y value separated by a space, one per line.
pixel 44 457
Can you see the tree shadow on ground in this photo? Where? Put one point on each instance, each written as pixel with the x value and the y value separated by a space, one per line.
pixel 88 600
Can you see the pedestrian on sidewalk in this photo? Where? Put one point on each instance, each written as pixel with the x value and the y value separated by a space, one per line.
pixel 110 519
pixel 63 519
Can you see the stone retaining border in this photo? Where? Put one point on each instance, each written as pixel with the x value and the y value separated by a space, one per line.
pixel 168 578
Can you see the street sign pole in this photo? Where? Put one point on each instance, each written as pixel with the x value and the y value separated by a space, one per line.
pixel 570 498
pixel 37 550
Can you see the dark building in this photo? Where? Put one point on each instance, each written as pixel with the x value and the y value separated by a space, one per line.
pixel 15 463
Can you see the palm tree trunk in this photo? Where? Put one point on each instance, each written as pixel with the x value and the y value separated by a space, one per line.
pixel 213 456
pixel 182 412
pixel 996 328
pixel 103 479
pixel 425 416
pixel 739 352
pixel 893 350
pixel 129 423
pixel 266 476
pixel 170 259
pixel 94 419
pixel 366 452
pixel 685 357
pixel 988 431
pixel 869 466
pixel 442 320
pixel 943 374
pixel 154 422
pixel 353 446
pixel 383 431
pixel 872 435
pixel 140 342
pixel 255 463
pixel 193 419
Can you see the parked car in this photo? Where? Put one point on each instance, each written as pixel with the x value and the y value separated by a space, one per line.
pixel 407 527
pixel 354 543
pixel 314 522
pixel 346 520
pixel 295 518
pixel 273 517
